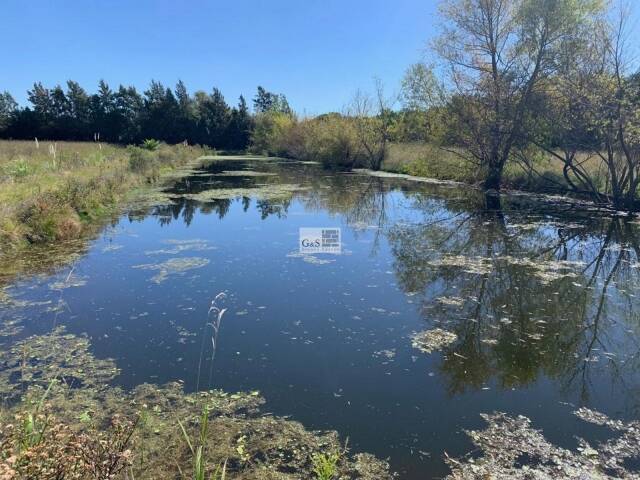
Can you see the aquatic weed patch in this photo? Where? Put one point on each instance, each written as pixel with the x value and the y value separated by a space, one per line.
pixel 546 270
pixel 179 246
pixel 429 341
pixel 262 192
pixel 173 266
pixel 512 449
pixel 36 360
pixel 244 173
pixel 139 433
pixel 472 265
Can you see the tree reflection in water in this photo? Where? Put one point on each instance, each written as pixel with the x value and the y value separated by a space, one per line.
pixel 528 290
pixel 555 298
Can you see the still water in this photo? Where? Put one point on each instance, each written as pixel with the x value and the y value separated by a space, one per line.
pixel 542 298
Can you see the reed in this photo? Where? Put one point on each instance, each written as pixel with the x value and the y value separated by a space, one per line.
pixel 214 320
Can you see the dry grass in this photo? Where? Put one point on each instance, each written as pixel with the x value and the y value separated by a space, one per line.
pixel 54 191
pixel 426 160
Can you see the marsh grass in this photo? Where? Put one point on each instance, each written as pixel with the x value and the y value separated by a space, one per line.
pixel 325 465
pixel 59 191
pixel 197 449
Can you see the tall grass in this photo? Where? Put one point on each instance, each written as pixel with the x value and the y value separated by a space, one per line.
pixel 52 192
pixel 196 447
pixel 325 466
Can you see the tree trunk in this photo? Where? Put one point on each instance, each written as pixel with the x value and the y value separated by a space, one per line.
pixel 493 201
pixel 493 180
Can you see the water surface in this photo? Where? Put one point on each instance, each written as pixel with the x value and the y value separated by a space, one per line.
pixel 543 299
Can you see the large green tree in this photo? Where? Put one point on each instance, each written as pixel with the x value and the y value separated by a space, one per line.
pixel 497 53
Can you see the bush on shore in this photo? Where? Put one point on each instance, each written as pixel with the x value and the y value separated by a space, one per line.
pixel 331 139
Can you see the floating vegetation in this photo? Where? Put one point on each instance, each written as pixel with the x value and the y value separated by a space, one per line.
pixel 71 280
pixel 404 176
pixel 11 327
pixel 36 360
pixel 431 340
pixel 80 404
pixel 151 197
pixel 178 246
pixel 308 258
pixel 312 259
pixel 547 270
pixel 262 192
pixel 451 301
pixel 112 248
pixel 389 354
pixel 474 265
pixel 5 297
pixel 244 173
pixel 513 449
pixel 173 266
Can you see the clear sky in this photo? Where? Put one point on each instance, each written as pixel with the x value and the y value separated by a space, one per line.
pixel 317 52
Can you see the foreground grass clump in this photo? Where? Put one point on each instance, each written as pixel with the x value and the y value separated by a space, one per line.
pixel 57 422
pixel 57 191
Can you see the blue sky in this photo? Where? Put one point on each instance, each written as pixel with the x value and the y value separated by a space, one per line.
pixel 317 52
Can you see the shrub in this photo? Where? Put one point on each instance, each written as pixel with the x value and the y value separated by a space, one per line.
pixel 142 161
pixel 330 139
pixel 271 133
pixel 150 144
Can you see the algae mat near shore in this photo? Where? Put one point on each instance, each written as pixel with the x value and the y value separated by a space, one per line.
pixel 58 369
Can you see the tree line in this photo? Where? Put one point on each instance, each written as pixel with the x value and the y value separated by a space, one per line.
pixel 508 82
pixel 125 116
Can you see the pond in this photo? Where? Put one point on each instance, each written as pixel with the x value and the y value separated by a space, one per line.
pixel 536 305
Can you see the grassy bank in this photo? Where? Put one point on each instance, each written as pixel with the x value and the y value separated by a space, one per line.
pixel 543 175
pixel 51 192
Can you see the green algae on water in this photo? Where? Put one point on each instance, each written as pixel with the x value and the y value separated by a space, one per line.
pixel 173 266
pixel 262 192
pixel 254 446
pixel 37 360
pixel 507 440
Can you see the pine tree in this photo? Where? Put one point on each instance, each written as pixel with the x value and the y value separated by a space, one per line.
pixel 8 107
